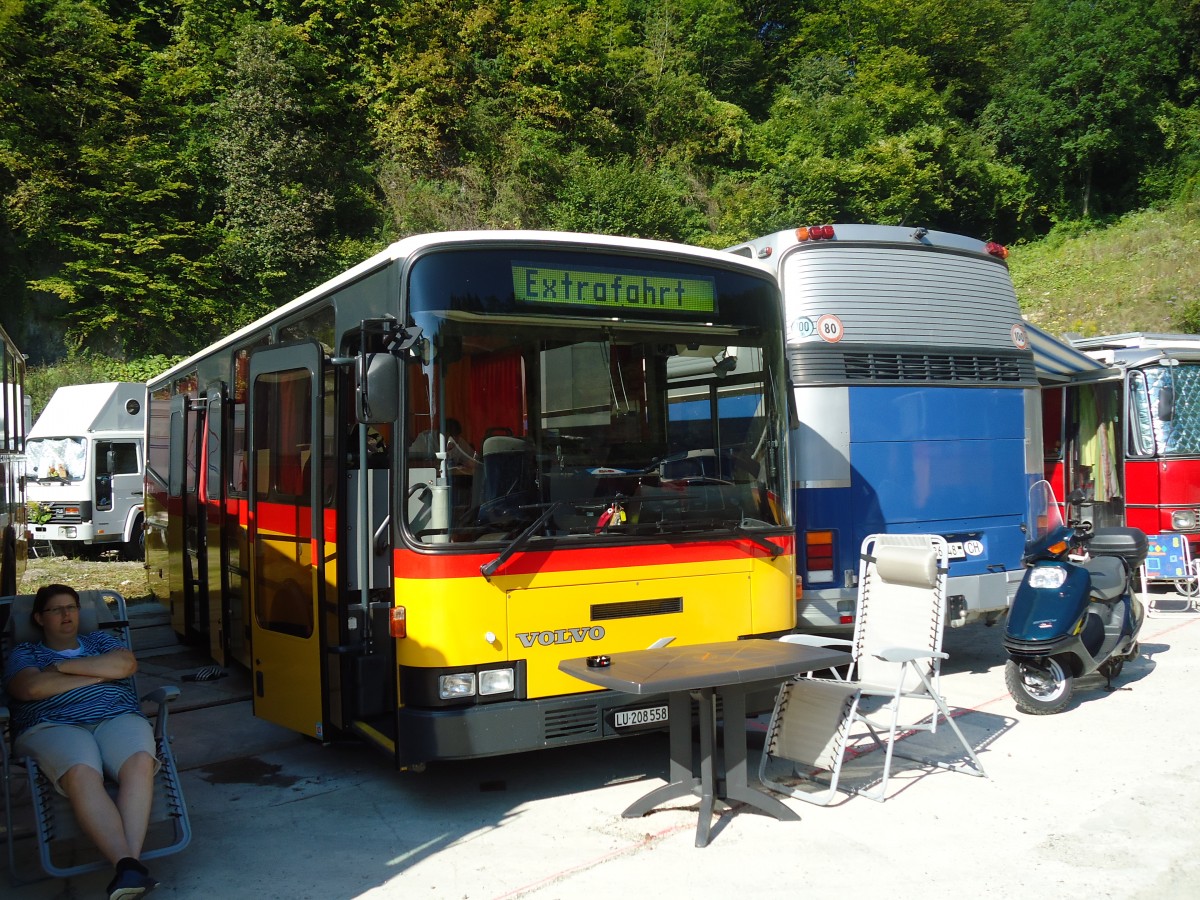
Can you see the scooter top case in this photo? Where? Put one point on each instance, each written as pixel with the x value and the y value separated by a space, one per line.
pixel 1128 543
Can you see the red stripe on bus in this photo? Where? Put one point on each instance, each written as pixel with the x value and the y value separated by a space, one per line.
pixel 283 519
pixel 429 565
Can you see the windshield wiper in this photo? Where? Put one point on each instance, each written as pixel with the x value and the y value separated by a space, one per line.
pixel 712 525
pixel 771 547
pixel 489 569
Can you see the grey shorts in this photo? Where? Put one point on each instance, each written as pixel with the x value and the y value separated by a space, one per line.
pixel 104 746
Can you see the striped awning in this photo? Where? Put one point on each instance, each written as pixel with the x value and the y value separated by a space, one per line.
pixel 1057 361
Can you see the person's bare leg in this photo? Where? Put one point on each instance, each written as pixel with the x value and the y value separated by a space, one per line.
pixel 95 812
pixel 135 795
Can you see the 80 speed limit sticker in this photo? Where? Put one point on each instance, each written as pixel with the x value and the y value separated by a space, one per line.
pixel 829 327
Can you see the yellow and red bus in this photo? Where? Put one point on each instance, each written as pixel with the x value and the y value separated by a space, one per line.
pixel 401 499
pixel 14 423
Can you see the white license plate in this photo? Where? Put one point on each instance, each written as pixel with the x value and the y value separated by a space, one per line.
pixel 627 718
pixel 955 550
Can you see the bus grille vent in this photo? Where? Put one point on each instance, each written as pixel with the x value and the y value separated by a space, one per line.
pixel 631 609
pixel 572 722
pixel 882 366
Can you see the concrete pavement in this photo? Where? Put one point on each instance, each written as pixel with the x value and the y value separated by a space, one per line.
pixel 1102 800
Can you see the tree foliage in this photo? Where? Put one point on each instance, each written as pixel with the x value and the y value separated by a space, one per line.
pixel 170 169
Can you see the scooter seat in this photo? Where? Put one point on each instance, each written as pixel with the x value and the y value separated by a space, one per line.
pixel 1108 577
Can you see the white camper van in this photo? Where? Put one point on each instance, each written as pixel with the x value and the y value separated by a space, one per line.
pixel 85 464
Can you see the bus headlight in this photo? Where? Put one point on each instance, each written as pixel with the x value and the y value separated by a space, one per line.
pixel 1183 519
pixel 456 686
pixel 1047 576
pixel 497 681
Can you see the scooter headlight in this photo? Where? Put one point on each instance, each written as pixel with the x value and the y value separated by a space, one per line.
pixel 1047 577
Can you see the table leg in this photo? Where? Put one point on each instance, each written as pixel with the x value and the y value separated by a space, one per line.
pixel 683 783
pixel 708 780
pixel 737 786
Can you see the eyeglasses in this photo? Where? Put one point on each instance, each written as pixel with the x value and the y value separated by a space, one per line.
pixel 60 610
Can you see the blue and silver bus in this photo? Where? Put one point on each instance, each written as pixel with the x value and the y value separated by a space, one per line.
pixel 917 404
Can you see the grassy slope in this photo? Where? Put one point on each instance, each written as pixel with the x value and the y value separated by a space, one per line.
pixel 1139 274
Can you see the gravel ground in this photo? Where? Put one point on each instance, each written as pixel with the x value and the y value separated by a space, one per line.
pixel 1102 800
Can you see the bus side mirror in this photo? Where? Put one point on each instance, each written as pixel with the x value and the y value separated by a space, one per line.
pixel 377 398
pixel 1166 402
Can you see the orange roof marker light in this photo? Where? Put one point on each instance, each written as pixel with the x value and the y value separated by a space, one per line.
pixel 814 233
pixel 997 250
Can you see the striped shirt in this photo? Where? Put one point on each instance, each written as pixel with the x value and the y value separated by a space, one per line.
pixel 80 706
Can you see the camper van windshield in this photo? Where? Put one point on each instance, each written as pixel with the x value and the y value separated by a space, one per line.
pixel 57 459
pixel 1166 405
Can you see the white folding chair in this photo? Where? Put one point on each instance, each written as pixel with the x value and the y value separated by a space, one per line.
pixel 896 654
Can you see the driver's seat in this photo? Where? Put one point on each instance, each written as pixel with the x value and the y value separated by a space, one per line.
pixel 507 480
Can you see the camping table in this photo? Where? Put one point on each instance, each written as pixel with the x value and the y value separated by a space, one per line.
pixel 729 670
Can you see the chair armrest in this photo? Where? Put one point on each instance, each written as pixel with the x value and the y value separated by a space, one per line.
pixel 908 654
pixel 816 640
pixel 161 695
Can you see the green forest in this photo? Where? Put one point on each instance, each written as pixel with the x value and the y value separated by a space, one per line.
pixel 172 169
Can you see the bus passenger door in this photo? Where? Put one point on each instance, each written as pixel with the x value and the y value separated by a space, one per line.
pixel 285 537
pixel 212 495
pixel 185 529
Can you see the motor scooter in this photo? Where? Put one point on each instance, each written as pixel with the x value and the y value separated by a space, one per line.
pixel 1075 611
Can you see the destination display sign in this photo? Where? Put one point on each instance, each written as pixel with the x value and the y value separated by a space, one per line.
pixel 612 288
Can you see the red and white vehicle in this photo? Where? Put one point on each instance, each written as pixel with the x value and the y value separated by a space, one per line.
pixel 1127 433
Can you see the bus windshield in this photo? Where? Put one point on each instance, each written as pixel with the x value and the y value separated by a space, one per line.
pixel 657 421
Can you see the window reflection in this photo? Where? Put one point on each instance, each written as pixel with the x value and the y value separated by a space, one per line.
pixel 619 430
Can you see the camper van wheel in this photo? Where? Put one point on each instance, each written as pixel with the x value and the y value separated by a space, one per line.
pixel 135 548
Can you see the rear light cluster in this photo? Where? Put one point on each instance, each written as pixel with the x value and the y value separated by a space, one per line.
pixel 818 556
pixel 814 233
pixel 845 612
pixel 997 250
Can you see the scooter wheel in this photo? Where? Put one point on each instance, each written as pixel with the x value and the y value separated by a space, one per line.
pixel 1039 688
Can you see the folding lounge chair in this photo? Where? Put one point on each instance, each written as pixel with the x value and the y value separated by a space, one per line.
pixel 896 654
pixel 63 848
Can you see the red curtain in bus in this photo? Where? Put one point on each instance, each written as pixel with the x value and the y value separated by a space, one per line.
pixel 292 406
pixel 497 397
